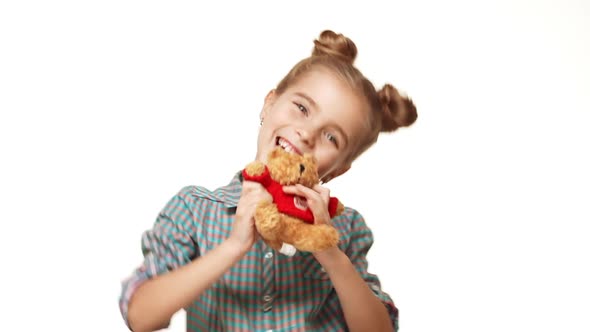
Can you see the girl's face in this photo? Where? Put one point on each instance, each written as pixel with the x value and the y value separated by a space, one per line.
pixel 318 114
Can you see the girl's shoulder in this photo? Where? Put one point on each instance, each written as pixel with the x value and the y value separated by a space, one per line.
pixel 350 221
pixel 227 195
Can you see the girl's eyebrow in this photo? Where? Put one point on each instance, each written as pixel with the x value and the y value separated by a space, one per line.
pixel 308 98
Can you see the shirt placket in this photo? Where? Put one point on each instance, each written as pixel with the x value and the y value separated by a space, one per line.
pixel 268 287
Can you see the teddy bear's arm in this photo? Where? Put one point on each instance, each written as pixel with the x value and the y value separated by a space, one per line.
pixel 255 168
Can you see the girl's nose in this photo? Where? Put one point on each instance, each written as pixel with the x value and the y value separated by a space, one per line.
pixel 307 136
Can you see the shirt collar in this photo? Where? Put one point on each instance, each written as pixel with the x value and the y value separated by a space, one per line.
pixel 230 194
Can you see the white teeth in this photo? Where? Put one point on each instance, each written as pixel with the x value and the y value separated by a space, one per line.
pixel 285 145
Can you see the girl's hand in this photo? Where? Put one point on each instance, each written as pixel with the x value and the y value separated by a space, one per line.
pixel 317 199
pixel 243 232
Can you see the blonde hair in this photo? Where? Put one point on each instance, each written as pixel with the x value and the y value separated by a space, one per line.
pixel 389 110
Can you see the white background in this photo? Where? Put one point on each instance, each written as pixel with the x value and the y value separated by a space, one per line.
pixel 480 210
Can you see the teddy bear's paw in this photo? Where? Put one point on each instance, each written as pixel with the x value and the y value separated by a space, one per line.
pixel 275 244
pixel 288 249
pixel 339 208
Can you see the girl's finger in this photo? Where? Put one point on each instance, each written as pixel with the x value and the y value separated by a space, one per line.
pixel 302 190
pixel 315 201
pixel 295 190
pixel 324 192
pixel 321 189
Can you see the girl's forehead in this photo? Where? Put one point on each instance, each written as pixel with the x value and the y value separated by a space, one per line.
pixel 328 92
pixel 335 100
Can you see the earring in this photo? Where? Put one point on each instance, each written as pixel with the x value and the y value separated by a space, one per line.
pixel 261 121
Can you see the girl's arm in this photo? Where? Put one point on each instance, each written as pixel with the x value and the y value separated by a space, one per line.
pixel 363 310
pixel 174 275
pixel 156 300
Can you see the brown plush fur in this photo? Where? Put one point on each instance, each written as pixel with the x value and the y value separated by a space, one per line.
pixel 277 228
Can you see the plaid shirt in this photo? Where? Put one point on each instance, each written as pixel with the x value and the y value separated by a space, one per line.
pixel 265 290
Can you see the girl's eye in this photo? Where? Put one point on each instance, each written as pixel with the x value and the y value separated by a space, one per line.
pixel 302 108
pixel 332 138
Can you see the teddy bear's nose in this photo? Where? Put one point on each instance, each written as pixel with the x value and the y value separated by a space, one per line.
pixel 301 168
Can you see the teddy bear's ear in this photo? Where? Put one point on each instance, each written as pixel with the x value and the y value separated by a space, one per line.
pixel 255 168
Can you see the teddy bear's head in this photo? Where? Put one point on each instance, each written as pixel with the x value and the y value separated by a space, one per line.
pixel 291 168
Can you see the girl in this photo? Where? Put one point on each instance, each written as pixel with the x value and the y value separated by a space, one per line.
pixel 203 254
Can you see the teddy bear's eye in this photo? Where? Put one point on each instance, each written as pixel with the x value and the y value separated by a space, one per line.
pixel 301 168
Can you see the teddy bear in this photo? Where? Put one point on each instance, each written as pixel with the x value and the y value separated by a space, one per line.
pixel 286 223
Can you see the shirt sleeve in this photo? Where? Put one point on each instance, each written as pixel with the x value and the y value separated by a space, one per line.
pixel 166 246
pixel 361 240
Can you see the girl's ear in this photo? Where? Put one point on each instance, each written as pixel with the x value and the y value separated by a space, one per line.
pixel 268 102
pixel 270 96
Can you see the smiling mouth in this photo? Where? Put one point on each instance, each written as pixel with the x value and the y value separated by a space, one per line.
pixel 283 143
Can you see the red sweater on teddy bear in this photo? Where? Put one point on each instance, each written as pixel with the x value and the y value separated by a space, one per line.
pixel 288 204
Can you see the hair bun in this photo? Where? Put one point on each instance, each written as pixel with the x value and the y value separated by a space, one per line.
pixel 335 44
pixel 397 110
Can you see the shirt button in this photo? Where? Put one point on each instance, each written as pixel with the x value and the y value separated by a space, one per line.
pixel 267 298
pixel 268 255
